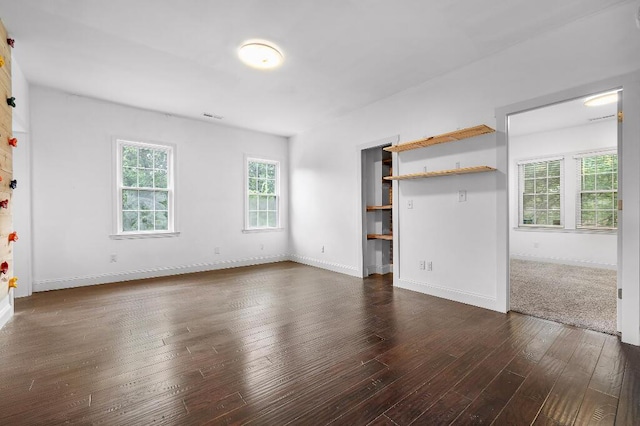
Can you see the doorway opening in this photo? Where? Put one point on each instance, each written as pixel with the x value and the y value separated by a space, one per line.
pixel 377 220
pixel 563 211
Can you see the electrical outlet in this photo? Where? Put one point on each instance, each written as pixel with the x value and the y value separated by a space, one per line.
pixel 457 165
pixel 216 250
pixel 429 266
pixel 462 196
pixel 424 169
pixel 422 265
pixel 114 258
pixel 322 249
pixel 261 246
pixel 409 204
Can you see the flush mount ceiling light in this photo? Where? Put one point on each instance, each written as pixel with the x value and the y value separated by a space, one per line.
pixel 260 54
pixel 602 99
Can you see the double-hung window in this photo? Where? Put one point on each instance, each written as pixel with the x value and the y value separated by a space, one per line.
pixel 263 194
pixel 145 188
pixel 598 191
pixel 540 193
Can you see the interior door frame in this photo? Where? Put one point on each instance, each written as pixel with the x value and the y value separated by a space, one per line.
pixel 362 202
pixel 628 191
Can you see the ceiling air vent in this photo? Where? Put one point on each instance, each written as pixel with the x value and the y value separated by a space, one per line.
pixel 604 117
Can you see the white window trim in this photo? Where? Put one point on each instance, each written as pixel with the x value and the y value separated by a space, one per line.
pixel 520 177
pixel 118 234
pixel 578 159
pixel 278 228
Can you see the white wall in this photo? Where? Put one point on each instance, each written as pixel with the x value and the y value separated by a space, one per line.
pixel 73 180
pixel 460 238
pixel 567 246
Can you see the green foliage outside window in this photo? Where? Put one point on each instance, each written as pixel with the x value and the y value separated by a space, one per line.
pixel 599 192
pixel 262 194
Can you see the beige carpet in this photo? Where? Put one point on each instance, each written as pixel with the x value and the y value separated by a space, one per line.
pixel 574 295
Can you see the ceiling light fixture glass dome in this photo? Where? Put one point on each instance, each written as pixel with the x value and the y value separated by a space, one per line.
pixel 260 54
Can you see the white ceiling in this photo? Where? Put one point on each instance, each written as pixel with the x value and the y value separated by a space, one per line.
pixel 571 113
pixel 179 56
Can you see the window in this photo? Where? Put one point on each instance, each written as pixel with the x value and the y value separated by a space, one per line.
pixel 262 194
pixel 598 191
pixel 540 193
pixel 145 188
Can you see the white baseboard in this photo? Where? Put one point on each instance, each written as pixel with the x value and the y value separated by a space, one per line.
pixel 564 261
pixel 465 297
pixel 379 269
pixel 335 267
pixel 58 284
pixel 6 310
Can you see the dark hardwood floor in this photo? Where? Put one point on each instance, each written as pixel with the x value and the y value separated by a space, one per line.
pixel 290 344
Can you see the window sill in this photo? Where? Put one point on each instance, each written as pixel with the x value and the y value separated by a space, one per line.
pixel 565 230
pixel 258 230
pixel 141 235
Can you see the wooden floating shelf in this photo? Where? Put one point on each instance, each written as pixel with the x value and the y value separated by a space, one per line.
pixel 375 208
pixel 386 161
pixel 463 171
pixel 387 237
pixel 457 135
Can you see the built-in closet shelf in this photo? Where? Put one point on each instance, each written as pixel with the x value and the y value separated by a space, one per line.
pixel 387 237
pixel 385 179
pixel 462 171
pixel 457 135
pixel 375 208
pixel 387 161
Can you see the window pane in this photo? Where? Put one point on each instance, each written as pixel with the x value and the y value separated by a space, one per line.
pixel 271 187
pixel 129 156
pixel 253 186
pixel 554 185
pixel 253 169
pixel 528 186
pixel 588 165
pixel 262 170
pixel 588 201
pixel 129 221
pixel 604 181
pixel 272 219
pixel 253 219
pixel 271 171
pixel 554 168
pixel 262 203
pixel 271 203
pixel 145 158
pixel 541 202
pixel 605 201
pixel 146 200
pixel 129 199
pixel 160 160
pixel 541 170
pixel 604 163
pixel 527 217
pixel 541 218
pixel 541 186
pixel 130 177
pixel 145 178
pixel 263 219
pixel 589 182
pixel 162 222
pixel 528 171
pixel 605 219
pixel 588 218
pixel 160 179
pixel 554 217
pixel 528 201
pixel 147 221
pixel 253 202
pixel 554 201
pixel 162 200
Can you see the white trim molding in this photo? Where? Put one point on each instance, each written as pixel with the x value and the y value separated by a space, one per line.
pixel 6 310
pixel 335 267
pixel 460 296
pixel 87 280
